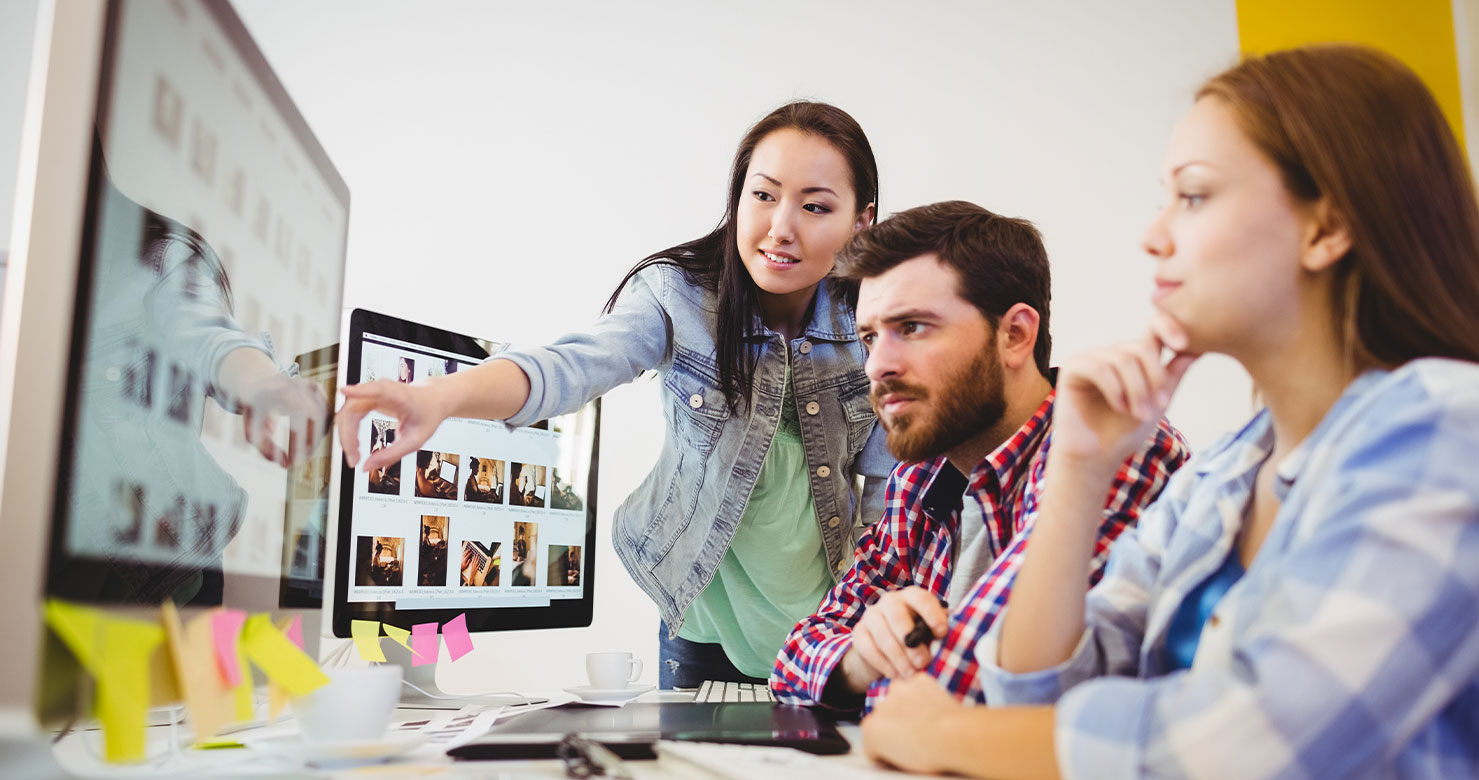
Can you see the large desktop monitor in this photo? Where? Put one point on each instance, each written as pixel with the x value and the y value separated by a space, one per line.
pixel 487 520
pixel 169 323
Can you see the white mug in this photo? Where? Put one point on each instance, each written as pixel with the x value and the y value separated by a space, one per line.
pixel 612 671
pixel 354 706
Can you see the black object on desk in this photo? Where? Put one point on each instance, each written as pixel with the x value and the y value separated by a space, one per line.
pixel 624 729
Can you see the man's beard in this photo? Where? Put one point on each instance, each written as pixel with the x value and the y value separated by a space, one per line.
pixel 971 401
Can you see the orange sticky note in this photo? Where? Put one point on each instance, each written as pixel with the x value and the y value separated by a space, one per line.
pixel 192 647
pixel 423 644
pixel 226 628
pixel 459 643
pixel 401 636
pixel 366 634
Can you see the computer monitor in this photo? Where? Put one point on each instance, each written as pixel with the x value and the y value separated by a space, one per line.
pixel 174 290
pixel 494 522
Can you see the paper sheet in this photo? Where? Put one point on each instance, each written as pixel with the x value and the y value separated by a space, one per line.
pixel 282 662
pixel 400 635
pixel 205 693
pixel 226 629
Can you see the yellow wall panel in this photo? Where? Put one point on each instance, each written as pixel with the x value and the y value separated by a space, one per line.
pixel 1418 32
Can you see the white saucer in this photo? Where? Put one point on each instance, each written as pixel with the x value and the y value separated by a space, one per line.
pixel 345 753
pixel 607 695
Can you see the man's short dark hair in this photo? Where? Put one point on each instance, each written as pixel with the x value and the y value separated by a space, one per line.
pixel 998 261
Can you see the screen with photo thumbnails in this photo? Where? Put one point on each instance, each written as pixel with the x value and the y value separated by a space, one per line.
pixel 482 515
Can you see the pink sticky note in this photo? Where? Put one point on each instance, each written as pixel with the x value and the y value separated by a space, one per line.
pixel 226 628
pixel 458 641
pixel 423 644
pixel 294 631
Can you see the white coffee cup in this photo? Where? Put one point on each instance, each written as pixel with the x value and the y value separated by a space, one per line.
pixel 354 706
pixel 611 671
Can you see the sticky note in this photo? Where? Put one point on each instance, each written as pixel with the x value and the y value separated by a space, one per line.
pixel 193 649
pixel 245 706
pixel 424 644
pixel 366 635
pixel 400 635
pixel 277 696
pixel 226 628
pixel 294 631
pixel 458 641
pixel 282 662
pixel 117 654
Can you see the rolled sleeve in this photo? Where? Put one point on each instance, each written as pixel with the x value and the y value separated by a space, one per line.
pixel 578 367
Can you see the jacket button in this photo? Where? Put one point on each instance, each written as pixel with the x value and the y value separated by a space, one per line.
pixel 834 522
pixel 812 407
pixel 824 471
pixel 843 564
pixel 695 400
pixel 805 348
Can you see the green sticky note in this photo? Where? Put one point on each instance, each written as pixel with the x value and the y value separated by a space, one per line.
pixel 278 658
pixel 366 635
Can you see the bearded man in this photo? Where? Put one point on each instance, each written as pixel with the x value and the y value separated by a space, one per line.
pixel 953 310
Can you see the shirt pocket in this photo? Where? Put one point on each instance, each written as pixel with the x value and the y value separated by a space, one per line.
pixel 857 410
pixel 697 411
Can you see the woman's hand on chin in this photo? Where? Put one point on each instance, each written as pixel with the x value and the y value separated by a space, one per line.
pixel 1110 399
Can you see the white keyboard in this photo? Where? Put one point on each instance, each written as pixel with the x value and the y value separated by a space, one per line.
pixel 719 691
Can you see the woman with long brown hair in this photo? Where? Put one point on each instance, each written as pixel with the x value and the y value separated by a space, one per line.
pixel 1303 599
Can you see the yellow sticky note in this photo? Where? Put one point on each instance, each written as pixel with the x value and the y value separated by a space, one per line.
pixel 278 658
pixel 244 705
pixel 117 653
pixel 193 650
pixel 123 686
pixel 277 696
pixel 80 629
pixel 366 635
pixel 400 635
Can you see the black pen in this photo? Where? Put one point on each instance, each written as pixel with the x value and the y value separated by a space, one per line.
pixel 921 633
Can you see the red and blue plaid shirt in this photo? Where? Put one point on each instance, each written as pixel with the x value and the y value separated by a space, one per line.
pixel 915 543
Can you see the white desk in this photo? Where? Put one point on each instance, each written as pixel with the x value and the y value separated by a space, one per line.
pixel 76 756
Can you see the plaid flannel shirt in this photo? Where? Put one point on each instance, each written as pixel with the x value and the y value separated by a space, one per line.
pixel 1350 648
pixel 915 543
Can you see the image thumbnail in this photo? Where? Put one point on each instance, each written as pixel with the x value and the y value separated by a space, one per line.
pixel 386 480
pixel 480 564
pixel 432 568
pixel 526 539
pixel 405 370
pixel 485 479
pixel 562 494
pixel 381 560
pixel 564 565
pixel 436 475
pixel 529 483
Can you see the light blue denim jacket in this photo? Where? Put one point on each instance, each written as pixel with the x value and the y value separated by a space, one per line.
pixel 674 529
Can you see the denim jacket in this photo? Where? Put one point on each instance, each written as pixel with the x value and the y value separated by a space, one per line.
pixel 672 532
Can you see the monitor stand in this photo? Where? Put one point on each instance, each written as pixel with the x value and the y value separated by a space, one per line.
pixel 430 696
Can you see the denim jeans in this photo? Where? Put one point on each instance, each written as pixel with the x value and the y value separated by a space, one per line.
pixel 685 664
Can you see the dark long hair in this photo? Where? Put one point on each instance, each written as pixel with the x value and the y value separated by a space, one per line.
pixel 713 261
pixel 1358 128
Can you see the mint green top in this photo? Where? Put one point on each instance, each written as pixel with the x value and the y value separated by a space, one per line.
pixel 775 572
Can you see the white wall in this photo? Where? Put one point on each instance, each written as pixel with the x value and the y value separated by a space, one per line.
pixel 17 30
pixel 509 161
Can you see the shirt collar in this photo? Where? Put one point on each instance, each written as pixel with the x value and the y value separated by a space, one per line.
pixel 1007 462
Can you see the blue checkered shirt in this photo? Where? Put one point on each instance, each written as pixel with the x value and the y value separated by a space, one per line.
pixel 1351 646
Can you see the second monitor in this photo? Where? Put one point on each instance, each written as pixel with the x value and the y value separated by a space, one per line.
pixel 486 520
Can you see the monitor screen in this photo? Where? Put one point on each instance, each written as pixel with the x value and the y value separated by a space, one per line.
pixel 208 306
pixel 484 518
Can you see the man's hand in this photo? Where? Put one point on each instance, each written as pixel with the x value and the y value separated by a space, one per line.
pixel 878 648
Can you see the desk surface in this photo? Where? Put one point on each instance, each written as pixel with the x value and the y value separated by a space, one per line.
pixel 76 755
